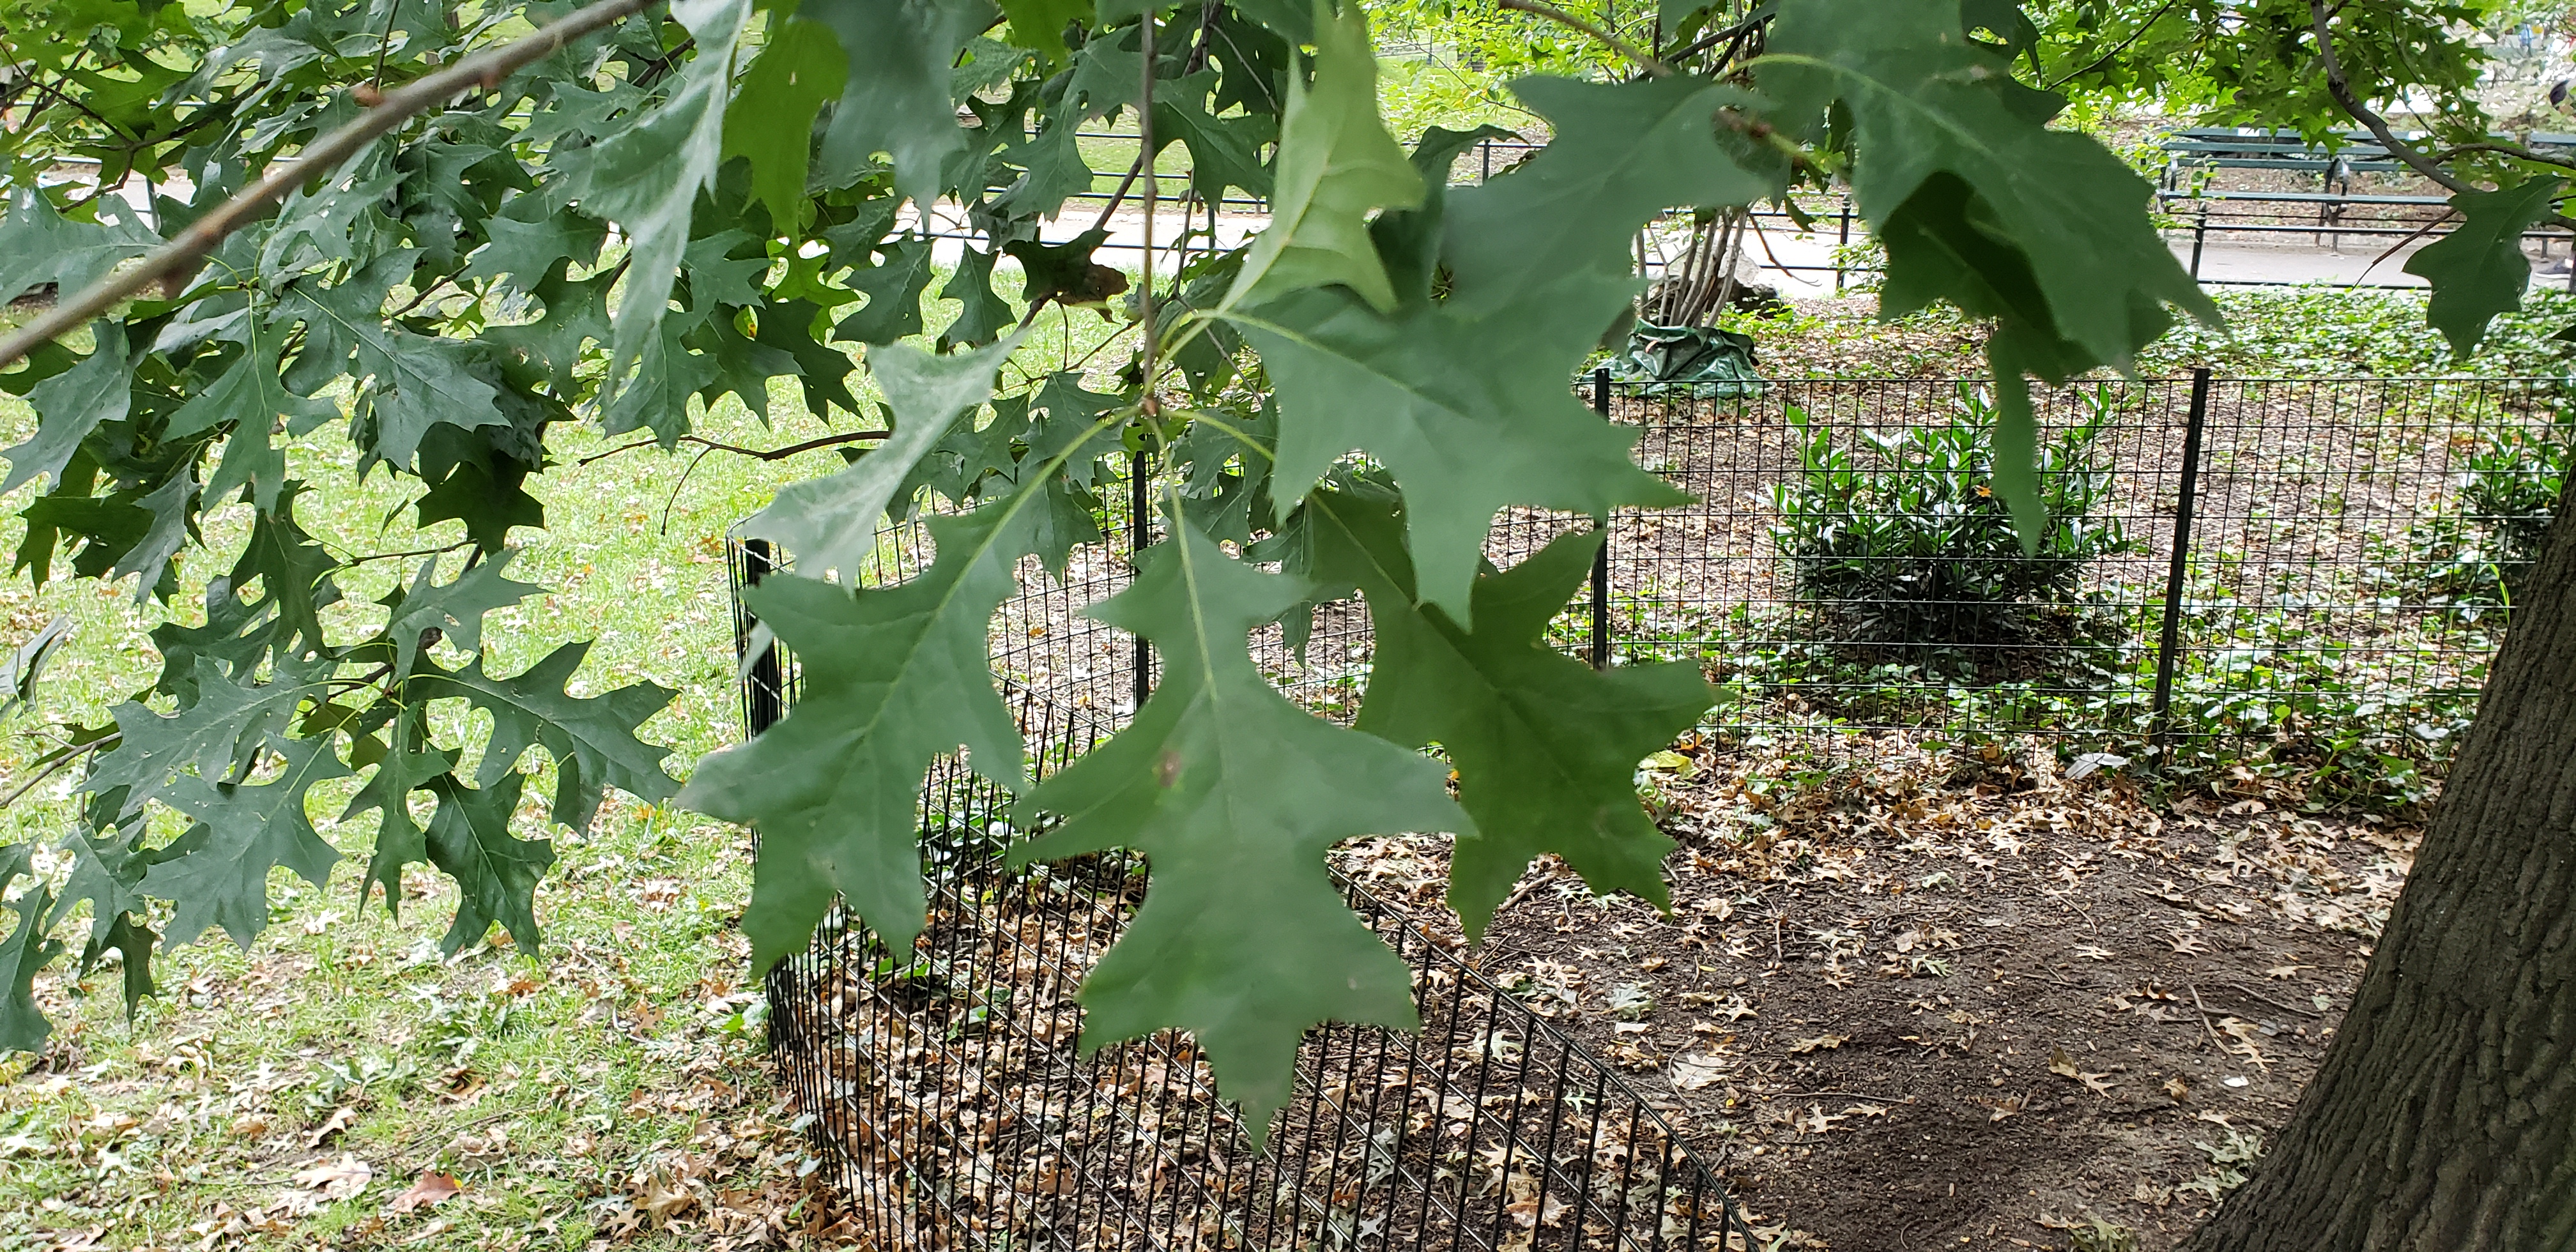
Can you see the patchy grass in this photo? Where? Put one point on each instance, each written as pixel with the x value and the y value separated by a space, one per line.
pixel 294 1093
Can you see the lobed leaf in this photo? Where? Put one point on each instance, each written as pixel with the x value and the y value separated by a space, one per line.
pixel 1221 783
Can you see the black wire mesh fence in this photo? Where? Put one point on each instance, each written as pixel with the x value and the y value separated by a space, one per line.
pixel 2230 566
pixel 946 1088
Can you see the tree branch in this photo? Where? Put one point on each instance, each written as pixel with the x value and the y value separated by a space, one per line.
pixel 2341 89
pixel 1644 59
pixel 180 256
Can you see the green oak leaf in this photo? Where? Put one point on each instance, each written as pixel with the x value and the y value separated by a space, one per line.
pixel 666 375
pixel 70 405
pixel 172 507
pixel 216 735
pixel 1224 785
pixel 1979 202
pixel 529 238
pixel 1408 240
pixel 496 872
pixel 1618 156
pixel 251 396
pixel 1064 272
pixel 1336 163
pixel 242 833
pixel 237 635
pixel 821 371
pixel 2478 270
pixel 293 571
pixel 1413 389
pixel 455 609
pixel 410 761
pixel 592 738
pixel 771 120
pixel 39 245
pixel 1052 170
pixel 646 177
pixel 1546 747
pixel 984 315
pixel 420 380
pixel 718 277
pixel 26 951
pixel 891 678
pixel 106 871
pixel 1038 25
pixel 2042 228
pixel 830 523
pixel 893 286
pixel 576 313
pixel 897 99
pixel 1071 413
pixel 1224 151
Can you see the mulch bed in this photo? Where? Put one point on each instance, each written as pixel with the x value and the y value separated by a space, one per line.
pixel 1956 998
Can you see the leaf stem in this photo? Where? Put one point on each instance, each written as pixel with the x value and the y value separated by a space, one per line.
pixel 180 256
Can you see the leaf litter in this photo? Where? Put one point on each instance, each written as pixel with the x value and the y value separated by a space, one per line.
pixel 2032 981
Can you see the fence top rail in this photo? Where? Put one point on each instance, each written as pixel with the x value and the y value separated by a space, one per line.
pixel 1980 380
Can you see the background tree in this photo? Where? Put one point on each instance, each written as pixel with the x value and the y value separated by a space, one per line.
pixel 2444 1114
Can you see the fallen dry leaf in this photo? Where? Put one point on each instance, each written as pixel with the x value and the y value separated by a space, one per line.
pixel 2060 1063
pixel 341 1119
pixel 2177 1088
pixel 1691 1073
pixel 426 1191
pixel 337 1180
pixel 1821 1043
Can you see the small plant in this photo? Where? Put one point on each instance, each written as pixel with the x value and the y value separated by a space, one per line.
pixel 2228 1163
pixel 2471 556
pixel 1906 543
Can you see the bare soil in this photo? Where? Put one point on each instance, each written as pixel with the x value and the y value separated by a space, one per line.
pixel 1957 999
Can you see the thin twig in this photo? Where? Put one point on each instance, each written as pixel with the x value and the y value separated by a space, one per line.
pixel 2514 150
pixel 1645 60
pixel 66 756
pixel 2105 58
pixel 181 256
pixel 759 454
pixel 396 556
pixel 2420 232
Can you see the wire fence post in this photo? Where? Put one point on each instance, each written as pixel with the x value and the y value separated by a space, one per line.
pixel 2199 236
pixel 764 680
pixel 2168 643
pixel 1842 244
pixel 1601 558
pixel 1140 532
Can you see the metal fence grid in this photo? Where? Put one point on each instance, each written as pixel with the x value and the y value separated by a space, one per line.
pixel 2321 547
pixel 2277 558
pixel 946 1089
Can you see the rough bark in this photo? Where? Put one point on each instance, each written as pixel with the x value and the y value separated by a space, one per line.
pixel 2443 1118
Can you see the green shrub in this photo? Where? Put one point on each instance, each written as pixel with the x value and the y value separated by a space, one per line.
pixel 2473 554
pixel 1903 541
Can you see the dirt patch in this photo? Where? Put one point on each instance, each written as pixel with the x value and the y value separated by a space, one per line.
pixel 1956 999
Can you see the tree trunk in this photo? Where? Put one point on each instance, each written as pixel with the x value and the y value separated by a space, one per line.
pixel 2444 1116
